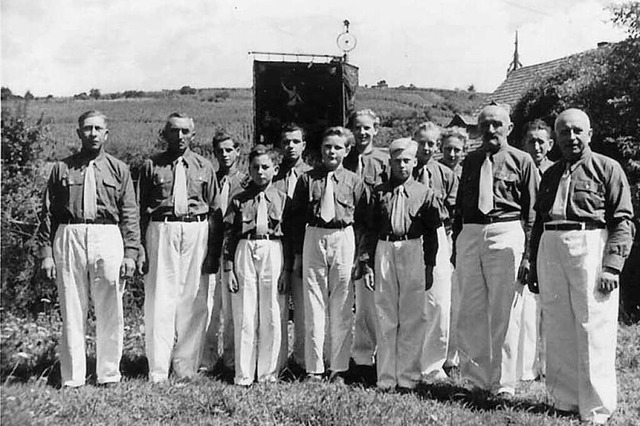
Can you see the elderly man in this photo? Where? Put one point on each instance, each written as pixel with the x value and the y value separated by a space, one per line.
pixel 89 237
pixel 582 236
pixel 181 222
pixel 494 215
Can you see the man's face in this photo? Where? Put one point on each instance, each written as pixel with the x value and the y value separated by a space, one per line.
pixel 179 133
pixel 452 150
pixel 538 143
pixel 293 145
pixel 262 170
pixel 402 163
pixel 226 153
pixel 364 130
pixel 428 144
pixel 495 126
pixel 334 150
pixel 573 133
pixel 93 133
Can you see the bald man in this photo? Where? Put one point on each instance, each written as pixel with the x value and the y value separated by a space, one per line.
pixel 494 215
pixel 581 237
pixel 401 236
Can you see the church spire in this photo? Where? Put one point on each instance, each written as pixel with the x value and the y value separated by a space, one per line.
pixel 515 63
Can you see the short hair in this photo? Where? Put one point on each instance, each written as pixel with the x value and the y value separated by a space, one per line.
pixel 455 132
pixel 340 131
pixel 260 150
pixel 221 136
pixel 538 124
pixel 429 126
pixel 178 115
pixel 367 112
pixel 293 127
pixel 91 113
pixel 403 144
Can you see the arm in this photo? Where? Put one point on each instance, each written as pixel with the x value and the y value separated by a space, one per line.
pixel 129 216
pixel 144 190
pixel 298 213
pixel 534 243
pixel 431 222
pixel 530 184
pixel 216 233
pixel 618 214
pixel 47 226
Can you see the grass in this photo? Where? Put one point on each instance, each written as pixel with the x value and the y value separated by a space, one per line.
pixel 31 396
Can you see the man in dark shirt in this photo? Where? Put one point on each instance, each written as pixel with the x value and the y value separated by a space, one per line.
pixel 89 236
pixel 181 221
pixel 494 215
pixel 581 237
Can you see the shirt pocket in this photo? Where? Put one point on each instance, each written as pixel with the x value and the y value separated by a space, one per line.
pixel 588 195
pixel 197 184
pixel 111 188
pixel 345 204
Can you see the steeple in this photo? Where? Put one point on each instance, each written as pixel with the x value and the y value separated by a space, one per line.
pixel 515 63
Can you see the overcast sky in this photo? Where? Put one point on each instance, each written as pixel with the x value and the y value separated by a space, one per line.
pixel 63 47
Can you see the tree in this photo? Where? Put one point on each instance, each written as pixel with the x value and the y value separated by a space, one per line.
pixel 28 96
pixel 627 16
pixel 187 90
pixel 6 93
pixel 94 93
pixel 471 88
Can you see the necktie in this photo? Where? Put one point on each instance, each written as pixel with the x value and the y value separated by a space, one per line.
pixel 398 212
pixel 360 166
pixel 485 189
pixel 425 177
pixel 262 227
pixel 292 179
pixel 180 204
pixel 559 208
pixel 89 204
pixel 328 208
pixel 224 195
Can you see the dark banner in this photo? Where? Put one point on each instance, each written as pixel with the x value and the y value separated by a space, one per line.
pixel 315 96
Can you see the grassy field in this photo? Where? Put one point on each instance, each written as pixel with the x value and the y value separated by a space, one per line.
pixel 31 394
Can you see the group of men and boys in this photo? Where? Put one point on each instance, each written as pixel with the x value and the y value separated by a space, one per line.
pixel 443 260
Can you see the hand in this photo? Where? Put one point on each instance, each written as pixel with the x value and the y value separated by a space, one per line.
pixel 141 261
pixel 232 282
pixel 284 282
pixel 297 265
pixel 608 281
pixel 48 268
pixel 523 272
pixel 428 275
pixel 127 268
pixel 368 277
pixel 356 272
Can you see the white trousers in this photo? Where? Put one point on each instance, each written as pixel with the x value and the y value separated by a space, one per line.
pixel 176 294
pixel 327 261
pixel 363 349
pixel 297 299
pixel 437 311
pixel 580 323
pixel 88 259
pixel 530 363
pixel 210 350
pixel 488 257
pixel 256 310
pixel 402 323
pixel 453 357
pixel 228 345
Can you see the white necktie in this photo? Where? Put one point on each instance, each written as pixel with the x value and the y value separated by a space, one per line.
pixel 89 203
pixel 224 195
pixel 291 182
pixel 328 208
pixel 398 212
pixel 262 227
pixel 180 203
pixel 360 166
pixel 559 208
pixel 425 177
pixel 485 189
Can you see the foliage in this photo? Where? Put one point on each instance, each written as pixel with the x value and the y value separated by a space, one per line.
pixel 5 93
pixel 95 93
pixel 627 16
pixel 188 90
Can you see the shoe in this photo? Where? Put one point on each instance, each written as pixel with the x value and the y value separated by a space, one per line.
pixel 315 377
pixel 337 378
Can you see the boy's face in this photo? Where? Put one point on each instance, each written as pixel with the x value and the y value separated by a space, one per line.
pixel 402 164
pixel 293 145
pixel 364 130
pixel 334 150
pixel 538 143
pixel 452 150
pixel 226 153
pixel 262 170
pixel 428 144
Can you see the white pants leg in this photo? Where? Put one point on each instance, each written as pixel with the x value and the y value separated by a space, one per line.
pixel 228 349
pixel 437 311
pixel 176 296
pixel 399 298
pixel 256 310
pixel 327 260
pixel 298 319
pixel 88 259
pixel 528 366
pixel 580 323
pixel 364 334
pixel 453 358
pixel 487 258
pixel 214 307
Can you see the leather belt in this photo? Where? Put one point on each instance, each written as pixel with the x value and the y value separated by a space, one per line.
pixel 488 220
pixel 393 238
pixel 260 237
pixel 99 221
pixel 573 226
pixel 328 225
pixel 188 218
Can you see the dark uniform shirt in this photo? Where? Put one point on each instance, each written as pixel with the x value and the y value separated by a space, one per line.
pixel 444 183
pixel 350 201
pixel 115 199
pixel 515 183
pixel 457 169
pixel 238 181
pixel 240 220
pixel 598 193
pixel 544 165
pixel 422 218
pixel 374 169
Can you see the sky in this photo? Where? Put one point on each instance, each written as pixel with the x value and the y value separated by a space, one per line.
pixel 64 47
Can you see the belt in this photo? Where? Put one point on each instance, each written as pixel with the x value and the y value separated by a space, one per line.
pixel 573 226
pixel 99 221
pixel 397 238
pixel 328 225
pixel 487 220
pixel 261 237
pixel 188 218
